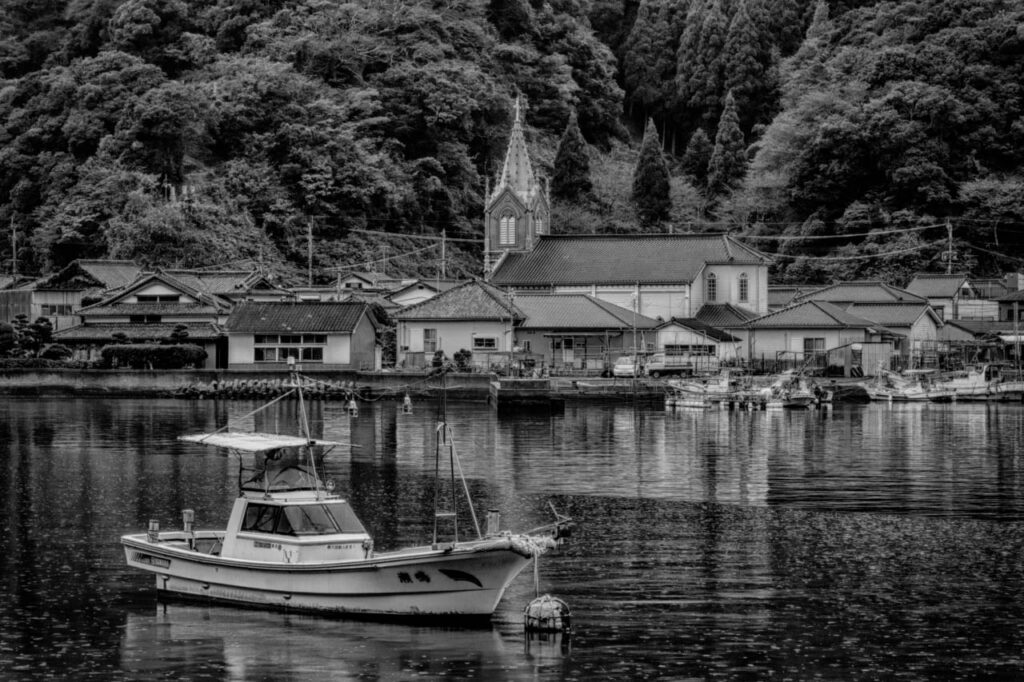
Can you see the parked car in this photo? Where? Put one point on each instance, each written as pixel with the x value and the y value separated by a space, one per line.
pixel 663 364
pixel 627 366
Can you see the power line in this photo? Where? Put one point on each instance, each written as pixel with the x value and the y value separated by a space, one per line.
pixel 784 238
pixel 845 258
pixel 418 236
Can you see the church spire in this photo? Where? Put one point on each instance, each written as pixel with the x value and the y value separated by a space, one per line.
pixel 517 171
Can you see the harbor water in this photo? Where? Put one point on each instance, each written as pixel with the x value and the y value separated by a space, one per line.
pixel 857 542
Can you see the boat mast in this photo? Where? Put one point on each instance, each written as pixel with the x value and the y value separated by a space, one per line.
pixel 304 423
pixel 442 439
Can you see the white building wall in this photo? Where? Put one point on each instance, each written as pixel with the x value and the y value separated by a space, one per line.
pixel 451 336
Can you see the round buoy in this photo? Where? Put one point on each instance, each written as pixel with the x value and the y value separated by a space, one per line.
pixel 547 614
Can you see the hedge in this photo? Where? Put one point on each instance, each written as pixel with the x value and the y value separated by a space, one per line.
pixel 153 356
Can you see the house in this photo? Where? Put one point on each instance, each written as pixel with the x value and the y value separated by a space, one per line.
pixel 661 276
pixel 860 291
pixel 808 333
pixel 783 295
pixel 232 286
pixel 325 335
pixel 915 323
pixel 569 332
pixel 678 336
pixel 731 320
pixel 419 290
pixel 148 310
pixel 57 296
pixel 473 316
pixel 945 293
pixel 562 332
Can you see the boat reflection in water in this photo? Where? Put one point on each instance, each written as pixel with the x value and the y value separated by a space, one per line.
pixel 249 644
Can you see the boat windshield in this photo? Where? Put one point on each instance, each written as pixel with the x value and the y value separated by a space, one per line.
pixel 326 518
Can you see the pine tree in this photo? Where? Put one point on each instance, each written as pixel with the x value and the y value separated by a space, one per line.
pixel 651 184
pixel 697 156
pixel 571 178
pixel 729 159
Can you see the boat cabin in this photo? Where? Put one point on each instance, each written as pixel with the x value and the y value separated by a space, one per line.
pixel 286 513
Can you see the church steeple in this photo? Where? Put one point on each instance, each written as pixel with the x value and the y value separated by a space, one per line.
pixel 518 209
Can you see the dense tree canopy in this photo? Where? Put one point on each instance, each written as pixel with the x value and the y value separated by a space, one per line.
pixel 197 133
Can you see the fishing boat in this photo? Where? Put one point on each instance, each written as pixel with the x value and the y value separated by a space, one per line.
pixel 291 542
pixel 983 382
pixel 980 382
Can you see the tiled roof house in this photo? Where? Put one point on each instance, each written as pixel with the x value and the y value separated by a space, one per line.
pixel 328 335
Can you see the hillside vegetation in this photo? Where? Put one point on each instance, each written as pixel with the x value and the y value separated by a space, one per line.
pixel 204 132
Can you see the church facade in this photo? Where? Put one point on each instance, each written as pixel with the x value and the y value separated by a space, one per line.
pixel 661 276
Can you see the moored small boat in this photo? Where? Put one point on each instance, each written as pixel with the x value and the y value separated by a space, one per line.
pixel 291 542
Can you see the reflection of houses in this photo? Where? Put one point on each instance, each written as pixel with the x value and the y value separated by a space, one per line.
pixel 147 311
pixel 57 296
pixel 330 335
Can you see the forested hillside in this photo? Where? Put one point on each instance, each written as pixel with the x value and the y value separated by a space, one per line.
pixel 202 132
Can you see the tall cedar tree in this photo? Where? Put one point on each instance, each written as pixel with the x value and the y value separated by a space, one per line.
pixel 729 159
pixel 700 64
pixel 697 156
pixel 648 64
pixel 571 178
pixel 748 64
pixel 651 181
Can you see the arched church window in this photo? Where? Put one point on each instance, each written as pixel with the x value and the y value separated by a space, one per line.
pixel 507 231
pixel 711 288
pixel 541 227
pixel 744 288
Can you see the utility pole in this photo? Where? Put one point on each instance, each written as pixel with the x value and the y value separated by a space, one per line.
pixel 309 253
pixel 14 249
pixel 949 248
pixel 444 239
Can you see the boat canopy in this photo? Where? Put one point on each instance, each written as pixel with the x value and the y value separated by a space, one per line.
pixel 253 442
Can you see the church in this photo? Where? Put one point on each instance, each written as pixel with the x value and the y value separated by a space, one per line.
pixel 660 276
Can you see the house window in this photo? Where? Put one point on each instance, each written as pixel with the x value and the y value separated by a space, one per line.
pixel 507 233
pixel 940 310
pixel 158 298
pixel 280 347
pixel 144 319
pixel 485 343
pixel 55 309
pixel 814 345
pixel 744 288
pixel 429 340
pixel 711 288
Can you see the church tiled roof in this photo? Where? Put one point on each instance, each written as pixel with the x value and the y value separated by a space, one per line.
pixel 620 259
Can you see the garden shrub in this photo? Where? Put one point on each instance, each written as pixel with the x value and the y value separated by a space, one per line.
pixel 153 356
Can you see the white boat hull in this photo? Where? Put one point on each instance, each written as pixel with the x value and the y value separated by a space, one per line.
pixel 468 580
